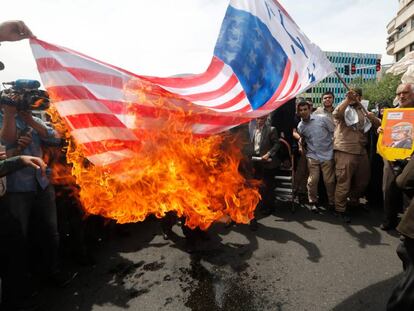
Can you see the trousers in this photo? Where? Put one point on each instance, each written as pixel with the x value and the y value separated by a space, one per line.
pixel 352 177
pixel 38 207
pixel 328 172
pixel 393 196
pixel 402 297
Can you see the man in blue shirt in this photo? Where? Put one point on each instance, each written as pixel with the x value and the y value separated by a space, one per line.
pixel 29 193
pixel 316 131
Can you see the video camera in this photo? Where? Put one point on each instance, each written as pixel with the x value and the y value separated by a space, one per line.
pixel 24 95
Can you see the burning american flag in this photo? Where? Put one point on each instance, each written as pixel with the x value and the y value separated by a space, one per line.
pixel 151 126
pixel 261 60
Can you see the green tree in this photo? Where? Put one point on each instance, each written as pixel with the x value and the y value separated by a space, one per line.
pixel 379 91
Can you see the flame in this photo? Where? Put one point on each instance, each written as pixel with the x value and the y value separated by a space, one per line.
pixel 37 103
pixel 197 178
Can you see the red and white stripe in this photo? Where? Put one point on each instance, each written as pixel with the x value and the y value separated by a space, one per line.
pixel 94 99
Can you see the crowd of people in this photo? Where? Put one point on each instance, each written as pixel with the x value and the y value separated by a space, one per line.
pixel 27 200
pixel 335 143
pixel 340 144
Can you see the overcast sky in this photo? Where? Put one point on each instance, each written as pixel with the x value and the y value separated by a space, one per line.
pixel 168 37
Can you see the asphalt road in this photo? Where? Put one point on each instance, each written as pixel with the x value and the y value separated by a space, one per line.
pixel 293 262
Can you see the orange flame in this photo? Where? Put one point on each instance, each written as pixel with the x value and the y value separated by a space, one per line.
pixel 197 178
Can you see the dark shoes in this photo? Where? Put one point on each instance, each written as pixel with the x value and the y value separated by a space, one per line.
pixel 344 216
pixel 330 207
pixel 387 227
pixel 266 212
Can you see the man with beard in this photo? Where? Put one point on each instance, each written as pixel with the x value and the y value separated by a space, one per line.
pixel 393 197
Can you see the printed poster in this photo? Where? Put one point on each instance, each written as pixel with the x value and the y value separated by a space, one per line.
pixel 396 141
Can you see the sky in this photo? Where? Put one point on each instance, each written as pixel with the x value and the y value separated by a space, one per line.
pixel 169 37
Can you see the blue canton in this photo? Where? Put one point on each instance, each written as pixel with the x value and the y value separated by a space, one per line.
pixel 246 44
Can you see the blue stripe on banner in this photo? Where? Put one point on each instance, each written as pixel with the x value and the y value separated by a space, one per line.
pixel 256 57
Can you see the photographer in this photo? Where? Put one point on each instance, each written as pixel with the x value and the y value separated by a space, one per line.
pixel 30 196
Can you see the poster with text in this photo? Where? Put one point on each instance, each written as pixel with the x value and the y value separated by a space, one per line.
pixel 396 141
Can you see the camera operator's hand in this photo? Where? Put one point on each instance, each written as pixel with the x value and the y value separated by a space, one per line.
pixel 14 31
pixel 8 109
pixel 3 155
pixel 35 162
pixel 28 119
pixel 24 140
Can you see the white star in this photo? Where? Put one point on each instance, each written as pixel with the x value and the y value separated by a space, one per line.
pixel 229 56
pixel 253 57
pixel 234 43
pixel 238 19
pixel 246 71
pixel 269 59
pixel 256 86
pixel 256 45
pixel 235 32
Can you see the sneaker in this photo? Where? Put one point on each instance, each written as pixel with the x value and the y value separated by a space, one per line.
pixel 313 208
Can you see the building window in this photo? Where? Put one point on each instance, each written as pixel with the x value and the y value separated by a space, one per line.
pixel 401 31
pixel 411 47
pixel 400 54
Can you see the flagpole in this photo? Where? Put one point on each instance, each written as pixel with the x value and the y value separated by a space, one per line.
pixel 348 88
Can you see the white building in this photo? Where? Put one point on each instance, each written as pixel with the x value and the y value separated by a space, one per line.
pixel 401 31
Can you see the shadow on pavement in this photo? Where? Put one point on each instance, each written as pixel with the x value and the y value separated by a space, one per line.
pixel 369 220
pixel 371 298
pixel 113 280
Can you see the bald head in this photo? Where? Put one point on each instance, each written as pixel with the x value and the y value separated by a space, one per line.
pixel 405 94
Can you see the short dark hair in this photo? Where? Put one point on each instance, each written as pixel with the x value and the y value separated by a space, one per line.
pixel 357 90
pixel 303 103
pixel 328 93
